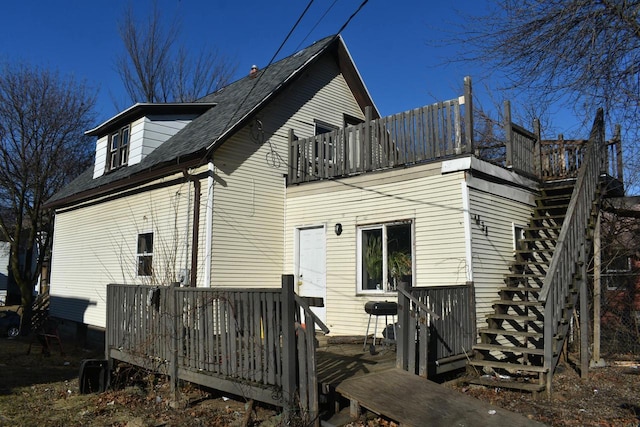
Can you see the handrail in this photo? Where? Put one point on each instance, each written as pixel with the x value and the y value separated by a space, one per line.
pixel 571 241
pixel 302 303
pixel 419 303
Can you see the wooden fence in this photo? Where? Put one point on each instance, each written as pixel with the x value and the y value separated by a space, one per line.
pixel 249 342
pixel 437 328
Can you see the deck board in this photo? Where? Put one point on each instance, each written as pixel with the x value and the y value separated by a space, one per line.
pixel 415 401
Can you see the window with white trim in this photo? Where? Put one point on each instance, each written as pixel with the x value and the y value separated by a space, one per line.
pixel 385 256
pixel 145 254
pixel 118 148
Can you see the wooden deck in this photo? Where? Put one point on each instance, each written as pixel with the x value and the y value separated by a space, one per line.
pixel 414 401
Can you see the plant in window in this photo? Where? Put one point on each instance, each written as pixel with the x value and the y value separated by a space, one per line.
pixel 399 265
pixel 373 259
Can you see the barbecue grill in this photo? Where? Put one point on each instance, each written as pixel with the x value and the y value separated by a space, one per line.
pixel 377 309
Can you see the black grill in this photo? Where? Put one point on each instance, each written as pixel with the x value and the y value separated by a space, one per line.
pixel 381 308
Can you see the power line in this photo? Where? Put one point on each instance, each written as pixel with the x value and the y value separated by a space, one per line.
pixel 317 23
pixel 257 80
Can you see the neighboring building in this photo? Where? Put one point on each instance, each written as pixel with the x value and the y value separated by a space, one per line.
pixel 5 248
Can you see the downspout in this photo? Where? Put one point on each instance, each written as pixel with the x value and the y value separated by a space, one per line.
pixel 209 226
pixel 197 192
pixel 466 219
pixel 192 266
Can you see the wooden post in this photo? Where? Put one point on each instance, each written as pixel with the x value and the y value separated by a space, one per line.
pixel 468 102
pixel 366 145
pixel 597 289
pixel 548 338
pixel 402 340
pixel 172 319
pixel 537 149
pixel 584 315
pixel 619 163
pixel 508 132
pixel 288 345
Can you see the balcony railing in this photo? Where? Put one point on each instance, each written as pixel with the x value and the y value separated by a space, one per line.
pixel 436 132
pixel 429 133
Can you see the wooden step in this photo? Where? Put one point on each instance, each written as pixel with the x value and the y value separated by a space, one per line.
pixel 511 367
pixel 517 303
pixel 519 289
pixel 510 384
pixel 513 317
pixel 521 334
pixel 509 349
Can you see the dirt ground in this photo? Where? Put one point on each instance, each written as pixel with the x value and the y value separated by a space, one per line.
pixel 43 391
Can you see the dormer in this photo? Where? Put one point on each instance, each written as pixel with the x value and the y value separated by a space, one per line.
pixel 126 139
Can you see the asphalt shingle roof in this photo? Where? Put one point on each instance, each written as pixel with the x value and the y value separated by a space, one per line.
pixel 234 103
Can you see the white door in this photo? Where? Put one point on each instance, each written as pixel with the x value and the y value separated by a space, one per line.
pixel 311 266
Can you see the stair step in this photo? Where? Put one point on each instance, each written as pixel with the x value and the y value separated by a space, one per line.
pixel 517 303
pixel 510 384
pixel 513 317
pixel 508 366
pixel 547 216
pixel 522 334
pixel 519 289
pixel 509 349
pixel 525 275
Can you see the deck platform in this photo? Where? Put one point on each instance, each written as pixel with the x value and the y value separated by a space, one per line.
pixel 415 401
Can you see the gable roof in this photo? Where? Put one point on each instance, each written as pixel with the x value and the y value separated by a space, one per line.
pixel 228 110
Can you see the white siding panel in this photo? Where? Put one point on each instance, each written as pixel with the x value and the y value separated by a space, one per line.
pixel 96 245
pixel 492 219
pixel 249 189
pixel 432 201
pixel 101 156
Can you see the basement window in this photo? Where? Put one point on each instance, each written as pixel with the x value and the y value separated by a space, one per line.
pixel 145 254
pixel 385 257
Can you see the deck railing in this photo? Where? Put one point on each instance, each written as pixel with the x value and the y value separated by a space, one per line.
pixel 248 342
pixel 435 132
pixel 558 291
pixel 437 328
pixel 432 132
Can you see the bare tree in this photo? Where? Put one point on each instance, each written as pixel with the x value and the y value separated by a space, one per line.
pixel 42 147
pixel 154 68
pixel 584 53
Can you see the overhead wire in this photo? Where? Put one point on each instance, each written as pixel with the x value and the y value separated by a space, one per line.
pixel 342 28
pixel 257 80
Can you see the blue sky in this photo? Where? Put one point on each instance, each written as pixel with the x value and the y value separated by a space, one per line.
pixel 389 42
pixel 392 44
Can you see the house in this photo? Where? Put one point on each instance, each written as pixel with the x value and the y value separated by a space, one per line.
pixel 195 193
pixel 292 171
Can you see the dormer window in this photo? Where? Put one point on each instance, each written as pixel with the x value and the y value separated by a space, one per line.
pixel 118 148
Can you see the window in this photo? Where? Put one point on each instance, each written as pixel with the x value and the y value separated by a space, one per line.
pixel 118 148
pixel 320 129
pixel 385 256
pixel 518 237
pixel 145 254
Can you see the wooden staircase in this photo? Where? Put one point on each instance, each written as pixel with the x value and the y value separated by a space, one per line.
pixel 522 343
pixel 511 348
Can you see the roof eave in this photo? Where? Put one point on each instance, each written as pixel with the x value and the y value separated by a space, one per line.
pixel 141 109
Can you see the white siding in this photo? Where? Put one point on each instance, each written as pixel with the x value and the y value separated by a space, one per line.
pixel 249 189
pixel 101 156
pixel 431 200
pixel 494 210
pixel 156 130
pixel 96 244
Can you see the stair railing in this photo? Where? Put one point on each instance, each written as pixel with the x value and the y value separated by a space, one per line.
pixel 572 240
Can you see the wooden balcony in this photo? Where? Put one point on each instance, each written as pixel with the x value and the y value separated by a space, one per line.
pixel 433 133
